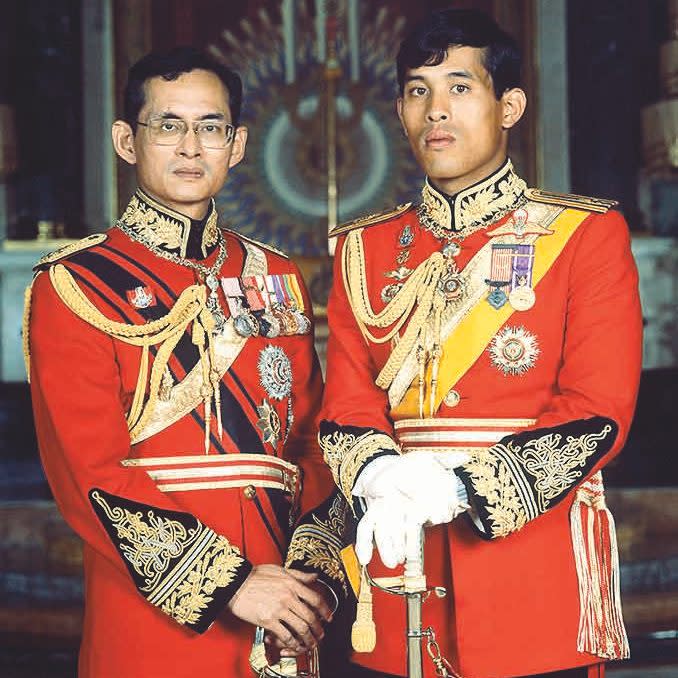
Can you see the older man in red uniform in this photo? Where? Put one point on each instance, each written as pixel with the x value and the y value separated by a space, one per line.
pixel 175 388
pixel 483 364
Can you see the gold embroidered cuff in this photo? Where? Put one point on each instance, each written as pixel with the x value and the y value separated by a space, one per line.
pixel 525 474
pixel 179 565
pixel 347 449
pixel 318 540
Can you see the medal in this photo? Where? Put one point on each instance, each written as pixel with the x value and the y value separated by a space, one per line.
pixel 452 286
pixel 213 305
pixel 522 298
pixel 497 297
pixel 389 292
pixel 406 237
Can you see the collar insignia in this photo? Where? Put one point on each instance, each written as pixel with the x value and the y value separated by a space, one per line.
pixel 473 208
pixel 165 228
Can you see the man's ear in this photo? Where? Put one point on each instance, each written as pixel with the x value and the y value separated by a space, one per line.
pixel 239 143
pixel 514 102
pixel 123 141
pixel 399 109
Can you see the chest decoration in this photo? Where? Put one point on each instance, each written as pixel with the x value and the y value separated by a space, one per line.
pixel 514 350
pixel 266 305
pixel 512 261
pixel 268 423
pixel 402 272
pixel 511 276
pixel 275 372
pixel 141 297
pixel 275 375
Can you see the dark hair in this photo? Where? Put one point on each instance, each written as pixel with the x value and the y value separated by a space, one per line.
pixel 429 41
pixel 170 65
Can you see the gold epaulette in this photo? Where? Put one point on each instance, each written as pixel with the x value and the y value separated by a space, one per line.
pixel 71 248
pixel 370 220
pixel 258 243
pixel 581 202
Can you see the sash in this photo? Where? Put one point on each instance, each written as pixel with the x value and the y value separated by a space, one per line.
pixel 185 396
pixel 468 332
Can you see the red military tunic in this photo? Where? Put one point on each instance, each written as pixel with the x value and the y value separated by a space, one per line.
pixel 541 349
pixel 159 515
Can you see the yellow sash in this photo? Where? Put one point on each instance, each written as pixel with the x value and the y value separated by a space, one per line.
pixel 467 341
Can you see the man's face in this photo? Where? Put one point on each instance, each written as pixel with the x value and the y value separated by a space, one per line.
pixel 184 176
pixel 455 124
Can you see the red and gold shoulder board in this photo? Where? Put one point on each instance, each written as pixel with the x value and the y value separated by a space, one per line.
pixel 71 248
pixel 370 220
pixel 258 243
pixel 581 202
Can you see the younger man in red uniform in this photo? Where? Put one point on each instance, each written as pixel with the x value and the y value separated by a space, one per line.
pixel 483 363
pixel 175 389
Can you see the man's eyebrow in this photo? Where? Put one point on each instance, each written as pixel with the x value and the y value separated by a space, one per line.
pixel 452 74
pixel 461 74
pixel 168 115
pixel 212 116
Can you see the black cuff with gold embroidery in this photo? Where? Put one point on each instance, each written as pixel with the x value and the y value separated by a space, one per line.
pixel 186 569
pixel 348 449
pixel 318 540
pixel 525 474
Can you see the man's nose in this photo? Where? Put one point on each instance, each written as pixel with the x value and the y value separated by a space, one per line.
pixel 189 146
pixel 439 108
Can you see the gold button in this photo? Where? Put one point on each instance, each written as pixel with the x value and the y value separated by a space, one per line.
pixel 250 492
pixel 452 398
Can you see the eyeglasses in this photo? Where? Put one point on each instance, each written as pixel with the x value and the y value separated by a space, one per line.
pixel 171 131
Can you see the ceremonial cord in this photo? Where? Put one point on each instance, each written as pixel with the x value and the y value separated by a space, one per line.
pixel 165 332
pixel 419 290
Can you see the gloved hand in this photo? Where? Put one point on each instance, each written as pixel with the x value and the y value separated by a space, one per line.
pixel 387 522
pixel 402 494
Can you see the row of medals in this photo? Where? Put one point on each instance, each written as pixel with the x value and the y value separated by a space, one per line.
pixel 274 321
pixel 452 285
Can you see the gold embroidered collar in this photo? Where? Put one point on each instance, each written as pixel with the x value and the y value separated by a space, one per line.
pixel 474 207
pixel 166 229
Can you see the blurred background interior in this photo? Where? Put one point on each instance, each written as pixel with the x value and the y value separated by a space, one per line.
pixel 602 81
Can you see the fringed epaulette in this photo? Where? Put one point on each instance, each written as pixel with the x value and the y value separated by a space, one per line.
pixel 258 243
pixel 580 202
pixel 371 220
pixel 71 248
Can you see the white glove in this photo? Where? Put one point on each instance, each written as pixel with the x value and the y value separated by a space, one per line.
pixel 402 494
pixel 387 522
pixel 406 474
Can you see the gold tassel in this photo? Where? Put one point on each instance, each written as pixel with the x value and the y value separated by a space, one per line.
pixel 601 626
pixel 364 631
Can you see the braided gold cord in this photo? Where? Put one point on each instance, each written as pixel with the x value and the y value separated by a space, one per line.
pixel 165 332
pixel 400 307
pixel 187 307
pixel 419 291
pixel 25 328
pixel 137 422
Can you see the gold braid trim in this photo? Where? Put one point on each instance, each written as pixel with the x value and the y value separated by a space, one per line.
pixel 179 568
pixel 346 454
pixel 165 332
pixel 318 544
pixel 520 482
pixel 419 290
pixel 26 328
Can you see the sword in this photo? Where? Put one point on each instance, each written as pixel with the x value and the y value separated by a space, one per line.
pixel 414 587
